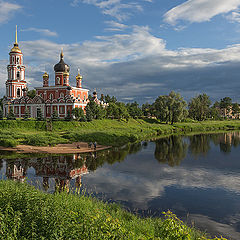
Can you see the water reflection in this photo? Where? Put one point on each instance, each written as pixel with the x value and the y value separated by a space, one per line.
pixel 171 150
pixel 194 175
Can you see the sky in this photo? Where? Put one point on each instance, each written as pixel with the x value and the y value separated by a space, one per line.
pixel 135 50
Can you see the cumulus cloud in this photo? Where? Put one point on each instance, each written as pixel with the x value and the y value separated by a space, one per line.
pixel 200 10
pixel 138 65
pixel 45 32
pixel 7 10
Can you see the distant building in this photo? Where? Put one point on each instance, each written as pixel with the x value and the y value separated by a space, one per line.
pixel 60 98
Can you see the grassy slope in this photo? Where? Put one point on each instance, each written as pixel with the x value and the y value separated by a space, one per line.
pixel 26 213
pixel 106 132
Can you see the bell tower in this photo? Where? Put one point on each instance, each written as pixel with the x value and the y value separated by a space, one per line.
pixel 16 73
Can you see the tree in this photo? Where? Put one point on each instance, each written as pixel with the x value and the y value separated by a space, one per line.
pixel 89 114
pixel 39 114
pixel 100 112
pixel 78 113
pixel 1 113
pixel 235 108
pixel 226 103
pixel 69 116
pixel 26 114
pixel 31 93
pixel 147 109
pixel 199 107
pixel 54 115
pixel 134 110
pixel 170 108
pixel 11 115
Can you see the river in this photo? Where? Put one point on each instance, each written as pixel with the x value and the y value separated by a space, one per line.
pixel 197 177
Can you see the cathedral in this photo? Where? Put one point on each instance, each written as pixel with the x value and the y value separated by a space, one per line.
pixel 60 98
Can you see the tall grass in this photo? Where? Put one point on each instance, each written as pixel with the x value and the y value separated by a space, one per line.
pixel 27 213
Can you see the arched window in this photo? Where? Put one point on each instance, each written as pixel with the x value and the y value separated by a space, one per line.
pixel 18 74
pixel 18 92
pixel 17 60
pixel 61 95
pixel 51 96
pixel 58 80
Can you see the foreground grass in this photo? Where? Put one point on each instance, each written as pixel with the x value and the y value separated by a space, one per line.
pixel 27 213
pixel 105 132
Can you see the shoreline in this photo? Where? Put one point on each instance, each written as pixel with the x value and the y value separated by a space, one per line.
pixel 58 149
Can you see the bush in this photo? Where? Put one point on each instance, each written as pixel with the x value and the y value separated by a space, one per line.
pixel 8 142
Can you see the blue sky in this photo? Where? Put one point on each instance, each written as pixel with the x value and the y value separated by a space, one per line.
pixel 135 50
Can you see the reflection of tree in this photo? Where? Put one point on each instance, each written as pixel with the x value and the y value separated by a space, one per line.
pixel 199 144
pixel 226 140
pixel 171 150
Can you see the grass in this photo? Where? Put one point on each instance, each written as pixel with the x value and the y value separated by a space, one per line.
pixel 27 213
pixel 105 132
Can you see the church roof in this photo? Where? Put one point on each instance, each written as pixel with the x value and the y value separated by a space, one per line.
pixel 61 66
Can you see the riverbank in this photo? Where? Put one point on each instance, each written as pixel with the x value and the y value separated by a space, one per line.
pixel 105 132
pixel 32 214
pixel 76 147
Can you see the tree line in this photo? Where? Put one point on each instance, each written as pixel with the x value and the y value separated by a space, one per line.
pixel 166 108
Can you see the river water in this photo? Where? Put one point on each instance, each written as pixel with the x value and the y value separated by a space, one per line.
pixel 197 177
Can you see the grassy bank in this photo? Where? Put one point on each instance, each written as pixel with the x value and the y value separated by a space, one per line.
pixel 26 213
pixel 105 132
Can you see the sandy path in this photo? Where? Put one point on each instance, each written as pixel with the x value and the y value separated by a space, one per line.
pixel 76 147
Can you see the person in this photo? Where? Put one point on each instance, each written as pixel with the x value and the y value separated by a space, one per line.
pixel 78 146
pixel 90 145
pixel 95 145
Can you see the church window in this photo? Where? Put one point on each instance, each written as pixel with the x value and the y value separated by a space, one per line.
pixel 61 95
pixel 12 60
pixel 18 74
pixel 18 92
pixel 51 96
pixel 17 60
pixel 58 80
pixel 61 109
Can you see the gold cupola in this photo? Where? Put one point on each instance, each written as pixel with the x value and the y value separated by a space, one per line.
pixel 15 48
pixel 45 75
pixel 79 76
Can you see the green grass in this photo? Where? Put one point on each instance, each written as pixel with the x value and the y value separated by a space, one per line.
pixel 105 132
pixel 27 213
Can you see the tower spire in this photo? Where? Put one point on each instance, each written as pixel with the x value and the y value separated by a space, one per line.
pixel 16 36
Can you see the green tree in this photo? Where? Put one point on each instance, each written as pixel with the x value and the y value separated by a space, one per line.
pixel 78 113
pixel 26 114
pixel 235 108
pixel 134 110
pixel 226 103
pixel 11 115
pixel 170 108
pixel 69 116
pixel 54 115
pixel 89 114
pixel 147 109
pixel 199 107
pixel 100 112
pixel 31 93
pixel 39 114
pixel 1 113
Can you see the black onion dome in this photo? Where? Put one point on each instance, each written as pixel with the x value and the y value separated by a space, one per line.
pixel 61 66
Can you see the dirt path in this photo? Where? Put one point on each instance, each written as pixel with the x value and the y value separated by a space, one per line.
pixel 76 147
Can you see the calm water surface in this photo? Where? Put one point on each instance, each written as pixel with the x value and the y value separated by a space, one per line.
pixel 197 177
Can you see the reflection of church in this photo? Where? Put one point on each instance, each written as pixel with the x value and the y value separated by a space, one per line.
pixel 61 168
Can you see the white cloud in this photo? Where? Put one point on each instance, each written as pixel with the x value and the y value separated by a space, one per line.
pixel 7 10
pixel 200 10
pixel 115 26
pixel 138 64
pixel 114 8
pixel 45 32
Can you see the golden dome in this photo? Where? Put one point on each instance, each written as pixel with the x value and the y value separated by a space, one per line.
pixel 45 75
pixel 66 74
pixel 16 49
pixel 79 76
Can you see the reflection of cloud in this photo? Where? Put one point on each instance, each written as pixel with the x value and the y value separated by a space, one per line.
pixel 139 187
pixel 216 228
